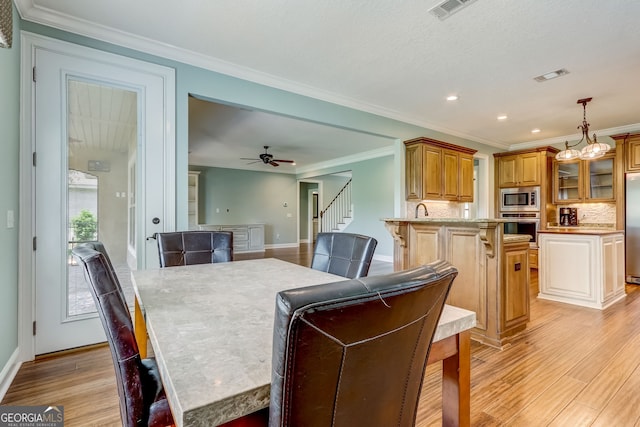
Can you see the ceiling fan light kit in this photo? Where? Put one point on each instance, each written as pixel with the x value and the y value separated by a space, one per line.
pixel 268 159
pixel 592 150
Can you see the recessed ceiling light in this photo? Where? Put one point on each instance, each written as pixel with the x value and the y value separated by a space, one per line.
pixel 502 117
pixel 536 130
pixel 551 75
pixel 452 98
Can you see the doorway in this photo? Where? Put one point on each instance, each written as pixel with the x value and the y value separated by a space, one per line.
pixel 83 186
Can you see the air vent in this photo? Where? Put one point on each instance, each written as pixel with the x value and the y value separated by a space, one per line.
pixel 551 75
pixel 447 8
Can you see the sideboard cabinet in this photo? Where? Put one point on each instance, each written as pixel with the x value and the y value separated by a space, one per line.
pixel 246 237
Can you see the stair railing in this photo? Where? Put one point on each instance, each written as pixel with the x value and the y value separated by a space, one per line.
pixel 337 210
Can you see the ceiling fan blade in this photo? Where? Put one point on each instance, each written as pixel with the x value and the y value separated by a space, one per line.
pixel 273 163
pixel 246 158
pixel 284 161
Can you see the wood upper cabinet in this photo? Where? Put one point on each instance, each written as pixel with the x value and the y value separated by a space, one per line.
pixel 436 170
pixel 413 171
pixel 585 180
pixel 631 147
pixel 519 170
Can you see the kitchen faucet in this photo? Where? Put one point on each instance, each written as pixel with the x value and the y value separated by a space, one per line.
pixel 426 212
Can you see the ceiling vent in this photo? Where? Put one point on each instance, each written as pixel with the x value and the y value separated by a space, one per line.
pixel 447 8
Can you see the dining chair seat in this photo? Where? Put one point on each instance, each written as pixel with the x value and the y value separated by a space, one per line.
pixel 353 353
pixel 344 254
pixel 142 398
pixel 194 247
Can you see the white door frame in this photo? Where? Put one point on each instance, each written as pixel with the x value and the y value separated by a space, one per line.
pixel 30 42
pixel 313 181
pixel 310 193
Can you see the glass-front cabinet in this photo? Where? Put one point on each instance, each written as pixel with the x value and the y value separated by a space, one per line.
pixel 568 181
pixel 584 180
pixel 600 173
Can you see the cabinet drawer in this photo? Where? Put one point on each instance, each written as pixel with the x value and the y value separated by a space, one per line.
pixel 239 234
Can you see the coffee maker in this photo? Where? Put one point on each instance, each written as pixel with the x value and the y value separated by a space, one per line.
pixel 568 216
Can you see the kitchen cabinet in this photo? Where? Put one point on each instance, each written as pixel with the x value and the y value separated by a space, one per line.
pixel 631 147
pixel 579 181
pixel 584 268
pixel 246 237
pixel 493 269
pixel 519 170
pixel 527 168
pixel 515 291
pixel 436 170
pixel 192 198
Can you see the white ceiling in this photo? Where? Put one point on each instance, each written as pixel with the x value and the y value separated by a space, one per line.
pixel 391 58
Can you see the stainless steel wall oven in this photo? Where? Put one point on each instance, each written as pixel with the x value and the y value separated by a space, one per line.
pixel 523 223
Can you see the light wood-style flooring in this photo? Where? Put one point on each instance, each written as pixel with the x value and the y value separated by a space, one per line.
pixel 572 367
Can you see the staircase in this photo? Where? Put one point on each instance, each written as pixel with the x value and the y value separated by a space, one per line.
pixel 339 213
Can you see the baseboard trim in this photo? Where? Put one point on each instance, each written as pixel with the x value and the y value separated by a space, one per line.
pixel 282 245
pixel 9 372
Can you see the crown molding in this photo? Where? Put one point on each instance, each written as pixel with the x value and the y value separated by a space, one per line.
pixel 575 137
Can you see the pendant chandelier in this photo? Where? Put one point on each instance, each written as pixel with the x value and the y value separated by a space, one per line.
pixel 592 150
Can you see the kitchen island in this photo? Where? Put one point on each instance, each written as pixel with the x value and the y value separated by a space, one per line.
pixel 493 268
pixel 582 266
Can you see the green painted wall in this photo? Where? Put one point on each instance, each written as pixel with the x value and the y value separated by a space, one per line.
pixel 9 176
pixel 232 196
pixel 372 197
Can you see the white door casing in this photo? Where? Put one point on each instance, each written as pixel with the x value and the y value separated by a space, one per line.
pixel 43 187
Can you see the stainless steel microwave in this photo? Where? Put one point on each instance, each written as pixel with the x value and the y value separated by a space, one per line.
pixel 520 199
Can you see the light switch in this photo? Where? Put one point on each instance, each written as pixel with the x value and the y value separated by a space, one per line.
pixel 11 222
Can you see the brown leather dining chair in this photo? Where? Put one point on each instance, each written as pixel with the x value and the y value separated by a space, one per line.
pixel 194 247
pixel 344 254
pixel 353 353
pixel 142 399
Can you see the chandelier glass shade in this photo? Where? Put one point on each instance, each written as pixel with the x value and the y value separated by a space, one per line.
pixel 592 150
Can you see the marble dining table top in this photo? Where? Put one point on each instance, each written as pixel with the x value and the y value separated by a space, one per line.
pixel 211 326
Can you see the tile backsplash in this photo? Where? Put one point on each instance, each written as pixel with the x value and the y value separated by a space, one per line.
pixel 594 214
pixel 437 209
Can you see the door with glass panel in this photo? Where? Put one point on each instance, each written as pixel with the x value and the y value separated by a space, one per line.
pixel 86 178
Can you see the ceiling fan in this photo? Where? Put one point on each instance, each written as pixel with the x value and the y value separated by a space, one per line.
pixel 268 159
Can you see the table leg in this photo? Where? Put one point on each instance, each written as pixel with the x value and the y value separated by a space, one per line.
pixel 140 328
pixel 456 384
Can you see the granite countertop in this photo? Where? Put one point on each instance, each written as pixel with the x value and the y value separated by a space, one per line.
pixel 581 230
pixel 447 220
pixel 516 238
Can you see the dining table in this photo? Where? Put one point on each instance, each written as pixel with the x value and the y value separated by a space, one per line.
pixel 210 327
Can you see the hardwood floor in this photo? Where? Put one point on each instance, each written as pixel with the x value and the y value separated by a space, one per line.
pixel 573 366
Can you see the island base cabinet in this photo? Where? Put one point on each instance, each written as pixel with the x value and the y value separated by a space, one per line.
pixel 582 269
pixel 493 277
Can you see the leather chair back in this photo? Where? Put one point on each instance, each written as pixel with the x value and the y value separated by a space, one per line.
pixel 194 247
pixel 139 386
pixel 353 353
pixel 345 254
